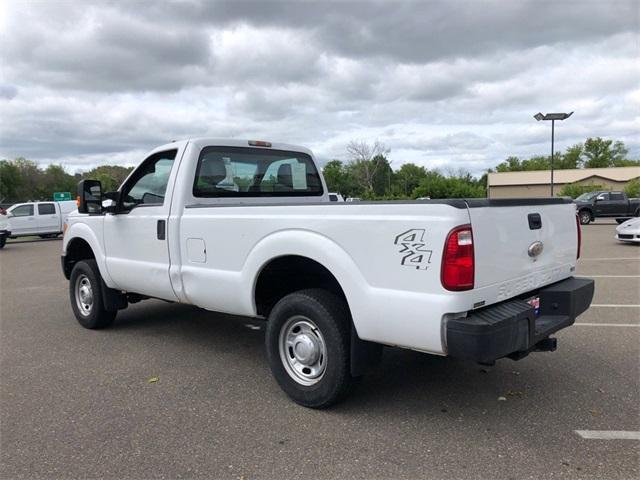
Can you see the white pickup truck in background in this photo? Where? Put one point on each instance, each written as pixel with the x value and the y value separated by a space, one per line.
pixel 45 219
pixel 247 228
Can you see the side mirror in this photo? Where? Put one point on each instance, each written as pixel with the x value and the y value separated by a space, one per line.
pixel 90 197
pixel 10 215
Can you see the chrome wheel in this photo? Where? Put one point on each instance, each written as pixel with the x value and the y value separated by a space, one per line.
pixel 84 295
pixel 585 217
pixel 302 350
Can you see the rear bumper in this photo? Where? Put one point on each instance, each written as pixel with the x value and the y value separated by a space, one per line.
pixel 511 328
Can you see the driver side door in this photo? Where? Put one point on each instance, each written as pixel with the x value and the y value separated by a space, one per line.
pixel 135 237
pixel 22 220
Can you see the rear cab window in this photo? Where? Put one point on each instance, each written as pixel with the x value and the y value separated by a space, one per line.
pixel 255 172
pixel 46 209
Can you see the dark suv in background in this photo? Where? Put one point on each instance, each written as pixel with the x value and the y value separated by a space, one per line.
pixel 592 205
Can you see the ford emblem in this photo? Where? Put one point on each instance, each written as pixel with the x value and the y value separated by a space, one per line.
pixel 535 249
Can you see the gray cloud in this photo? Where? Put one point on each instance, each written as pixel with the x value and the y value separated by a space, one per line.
pixel 439 82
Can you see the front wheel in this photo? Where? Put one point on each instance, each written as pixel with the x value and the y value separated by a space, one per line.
pixel 85 292
pixel 585 217
pixel 308 347
pixel 3 241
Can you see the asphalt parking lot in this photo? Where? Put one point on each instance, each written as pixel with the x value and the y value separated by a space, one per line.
pixel 78 404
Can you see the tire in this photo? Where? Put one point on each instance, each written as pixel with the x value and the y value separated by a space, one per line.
pixel 637 214
pixel 3 241
pixel 88 309
pixel 585 217
pixel 318 375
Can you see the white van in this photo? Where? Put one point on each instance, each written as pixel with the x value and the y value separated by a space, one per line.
pixel 39 218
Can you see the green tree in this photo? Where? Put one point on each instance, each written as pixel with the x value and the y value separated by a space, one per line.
pixel 56 179
pixel 30 187
pixel 382 177
pixel 339 178
pixel 111 176
pixel 436 185
pixel 511 164
pixel 598 153
pixel 10 181
pixel 571 158
pixel 407 178
pixel 633 188
pixel 538 162
pixel 618 152
pixel 366 159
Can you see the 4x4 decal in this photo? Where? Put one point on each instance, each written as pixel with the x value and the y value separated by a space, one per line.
pixel 413 249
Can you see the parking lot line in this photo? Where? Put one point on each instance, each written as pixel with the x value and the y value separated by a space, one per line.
pixel 611 305
pixel 611 258
pixel 608 434
pixel 636 325
pixel 609 276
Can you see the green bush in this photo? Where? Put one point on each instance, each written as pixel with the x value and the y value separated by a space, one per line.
pixel 633 188
pixel 574 190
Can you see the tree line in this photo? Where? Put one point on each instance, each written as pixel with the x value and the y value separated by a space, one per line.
pixel 365 172
pixel 23 180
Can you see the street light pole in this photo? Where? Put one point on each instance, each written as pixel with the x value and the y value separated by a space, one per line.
pixel 553 117
pixel 553 127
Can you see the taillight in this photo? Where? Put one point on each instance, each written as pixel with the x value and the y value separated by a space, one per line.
pixel 579 236
pixel 457 259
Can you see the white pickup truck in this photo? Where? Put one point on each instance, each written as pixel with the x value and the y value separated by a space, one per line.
pixel 247 228
pixel 45 219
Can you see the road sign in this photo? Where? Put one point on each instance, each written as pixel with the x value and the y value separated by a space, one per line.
pixel 61 196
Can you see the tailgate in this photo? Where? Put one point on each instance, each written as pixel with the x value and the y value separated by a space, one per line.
pixel 521 245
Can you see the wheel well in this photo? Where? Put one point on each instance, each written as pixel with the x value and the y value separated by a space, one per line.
pixel 77 250
pixel 288 274
pixel 586 209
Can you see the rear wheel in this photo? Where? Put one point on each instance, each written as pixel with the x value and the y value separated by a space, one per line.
pixel 585 217
pixel 85 292
pixel 308 347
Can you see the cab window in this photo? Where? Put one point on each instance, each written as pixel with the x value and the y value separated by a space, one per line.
pixel 255 172
pixel 46 209
pixel 149 184
pixel 23 211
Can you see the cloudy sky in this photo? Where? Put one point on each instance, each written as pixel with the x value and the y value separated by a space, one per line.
pixel 442 84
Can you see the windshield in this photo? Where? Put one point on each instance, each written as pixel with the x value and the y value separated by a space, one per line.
pixel 255 172
pixel 585 197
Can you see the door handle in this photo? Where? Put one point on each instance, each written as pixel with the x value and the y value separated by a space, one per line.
pixel 161 229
